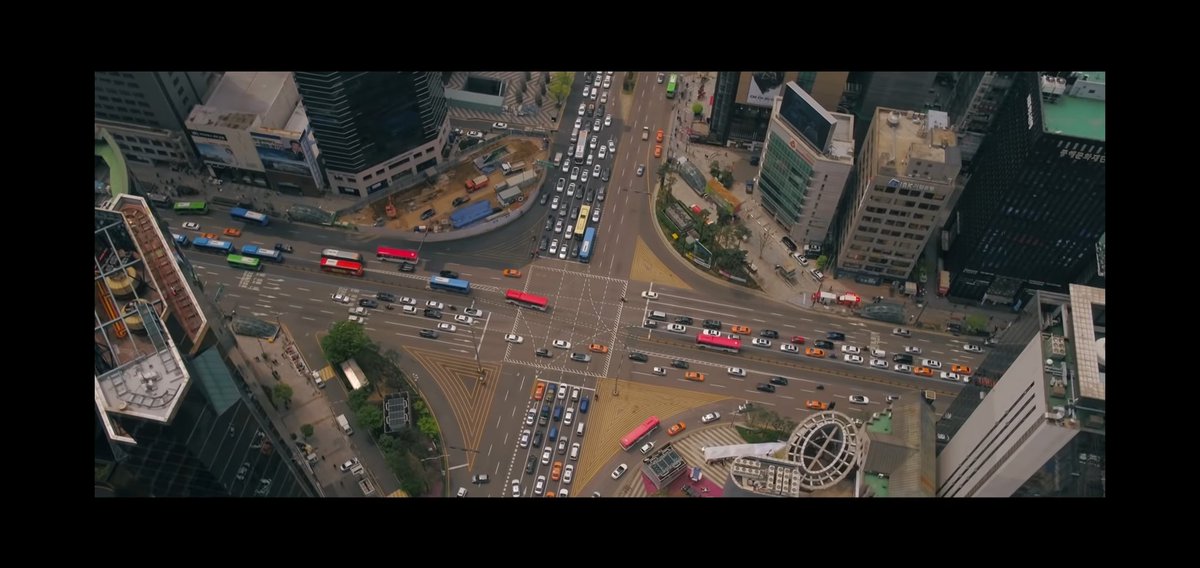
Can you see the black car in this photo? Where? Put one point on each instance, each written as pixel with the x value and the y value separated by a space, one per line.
pixel 769 333
pixel 432 313
pixel 385 297
pixel 283 248
pixel 903 358
pixel 604 174
pixel 544 199
pixel 836 336
pixel 427 214
pixel 712 324
pixel 581 357
pixel 822 344
pixel 431 334
pixel 543 352
pixel 591 196
pixel 765 387
pixel 549 224
pixel 575 251
pixel 530 465
pixel 641 357
pixel 544 417
pixel 779 381
pixel 542 246
pixel 407 267
pixel 789 243
pixel 679 364
pixel 574 212
pixel 368 303
pixel 460 200
pixel 684 320
pixel 448 274
pixel 537 439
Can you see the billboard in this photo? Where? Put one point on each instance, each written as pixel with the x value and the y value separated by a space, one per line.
pixel 807 117
pixel 214 148
pixel 281 151
pixel 760 88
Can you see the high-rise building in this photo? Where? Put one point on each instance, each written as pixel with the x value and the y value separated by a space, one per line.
pixel 743 100
pixel 173 417
pixel 1034 206
pixel 1040 431
pixel 808 156
pixel 902 192
pixel 977 97
pixel 145 111
pixel 375 128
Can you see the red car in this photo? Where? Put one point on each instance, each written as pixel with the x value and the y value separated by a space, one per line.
pixel 798 340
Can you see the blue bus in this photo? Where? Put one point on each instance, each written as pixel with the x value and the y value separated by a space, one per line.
pixel 180 240
pixel 211 245
pixel 585 249
pixel 269 254
pixel 449 284
pixel 243 214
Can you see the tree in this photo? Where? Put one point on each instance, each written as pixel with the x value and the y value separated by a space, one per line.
pixel 822 261
pixel 976 323
pixel 345 340
pixel 307 430
pixel 560 87
pixel 697 108
pixel 282 394
pixel 428 426
pixel 386 444
pixel 414 484
pixel 714 168
pixel 370 416
pixel 728 258
pixel 357 399
pixel 726 178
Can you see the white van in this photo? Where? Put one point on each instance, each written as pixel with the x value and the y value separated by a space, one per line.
pixel 558 159
pixel 345 424
pixel 579 429
pixel 658 315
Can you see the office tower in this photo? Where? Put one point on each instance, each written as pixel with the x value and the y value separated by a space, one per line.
pixel 977 97
pixel 1040 431
pixel 1034 207
pixel 808 156
pixel 375 129
pixel 903 191
pixel 145 111
pixel 173 416
pixel 742 103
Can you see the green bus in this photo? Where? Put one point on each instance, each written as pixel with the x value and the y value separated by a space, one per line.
pixel 244 262
pixel 672 84
pixel 191 208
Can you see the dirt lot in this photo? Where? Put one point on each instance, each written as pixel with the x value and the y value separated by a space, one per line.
pixel 440 196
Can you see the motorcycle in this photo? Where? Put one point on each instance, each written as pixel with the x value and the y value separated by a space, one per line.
pixel 389 306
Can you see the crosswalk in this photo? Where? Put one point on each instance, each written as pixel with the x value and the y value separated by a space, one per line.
pixel 690 447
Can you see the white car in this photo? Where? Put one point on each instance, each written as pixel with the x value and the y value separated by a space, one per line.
pixel 760 342
pixel 192 226
pixel 859 399
pixel 341 299
pixel 951 376
pixel 578 121
pixel 540 485
pixel 583 176
pixel 516 488
pixel 972 348
pixel 524 443
pixel 901 332
pixel 852 359
pixel 582 108
pixel 409 309
pixel 710 417
pixel 358 319
pixel 789 348
pixel 562 252
pixel 513 338
pixel 408 301
pixel 464 319
pixel 554 246
pixel 931 363
pixel 607 120
pixel 447 327
pixel 604 97
pixel 562 184
pixel 612 146
pixel 473 312
pixel 575 173
pixel 350 463
pixel 617 473
pixel 561 344
pixel 800 258
pixel 571 190
pixel 530 417
pixel 596 215
pixel 902 368
pixel 500 125
pixel 566 167
pixel 607 82
pixel 912 349
pixel 359 311
pixel 659 371
pixel 562 393
pixel 602 153
pixel 736 371
pixel 593 141
pixel 711 332
pixel 547 454
pixel 599 78
pixel 587 90
pixel 568 416
pixel 879 363
pixel 474 134
pixel 435 305
pixel 650 295
pixel 677 328
pixel 567 474
pixel 554 204
pixel 851 349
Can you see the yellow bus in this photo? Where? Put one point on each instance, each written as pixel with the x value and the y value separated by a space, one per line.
pixel 581 224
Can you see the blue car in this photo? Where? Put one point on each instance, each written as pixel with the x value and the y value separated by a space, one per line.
pixel 583 404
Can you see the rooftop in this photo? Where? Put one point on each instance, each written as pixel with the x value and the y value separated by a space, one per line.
pixel 1079 112
pixel 250 92
pixel 202 115
pixel 1071 350
pixel 915 146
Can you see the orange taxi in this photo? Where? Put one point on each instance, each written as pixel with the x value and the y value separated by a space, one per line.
pixel 923 371
pixel 740 329
pixel 210 236
pixel 815 405
pixel 598 348
pixel 233 232
pixel 512 273
pixel 694 376
pixel 814 352
pixel 551 494
pixel 556 471
pixel 677 428
pixel 658 150
pixel 960 369
pixel 658 137
pixel 539 391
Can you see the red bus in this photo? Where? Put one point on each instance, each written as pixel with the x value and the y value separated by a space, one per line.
pixel 342 266
pixel 524 300
pixel 396 255
pixel 645 429
pixel 718 343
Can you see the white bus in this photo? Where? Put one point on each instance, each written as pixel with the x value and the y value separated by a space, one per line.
pixel 581 147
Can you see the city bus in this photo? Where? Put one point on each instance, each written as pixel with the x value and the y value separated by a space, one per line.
pixel 158 200
pixel 521 299
pixel 717 343
pixel 260 252
pixel 243 262
pixel 672 83
pixel 581 224
pixel 341 266
pixel 342 255
pixel 243 214
pixel 449 284
pixel 212 245
pixel 638 434
pixel 396 255
pixel 585 249
pixel 581 147
pixel 191 208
